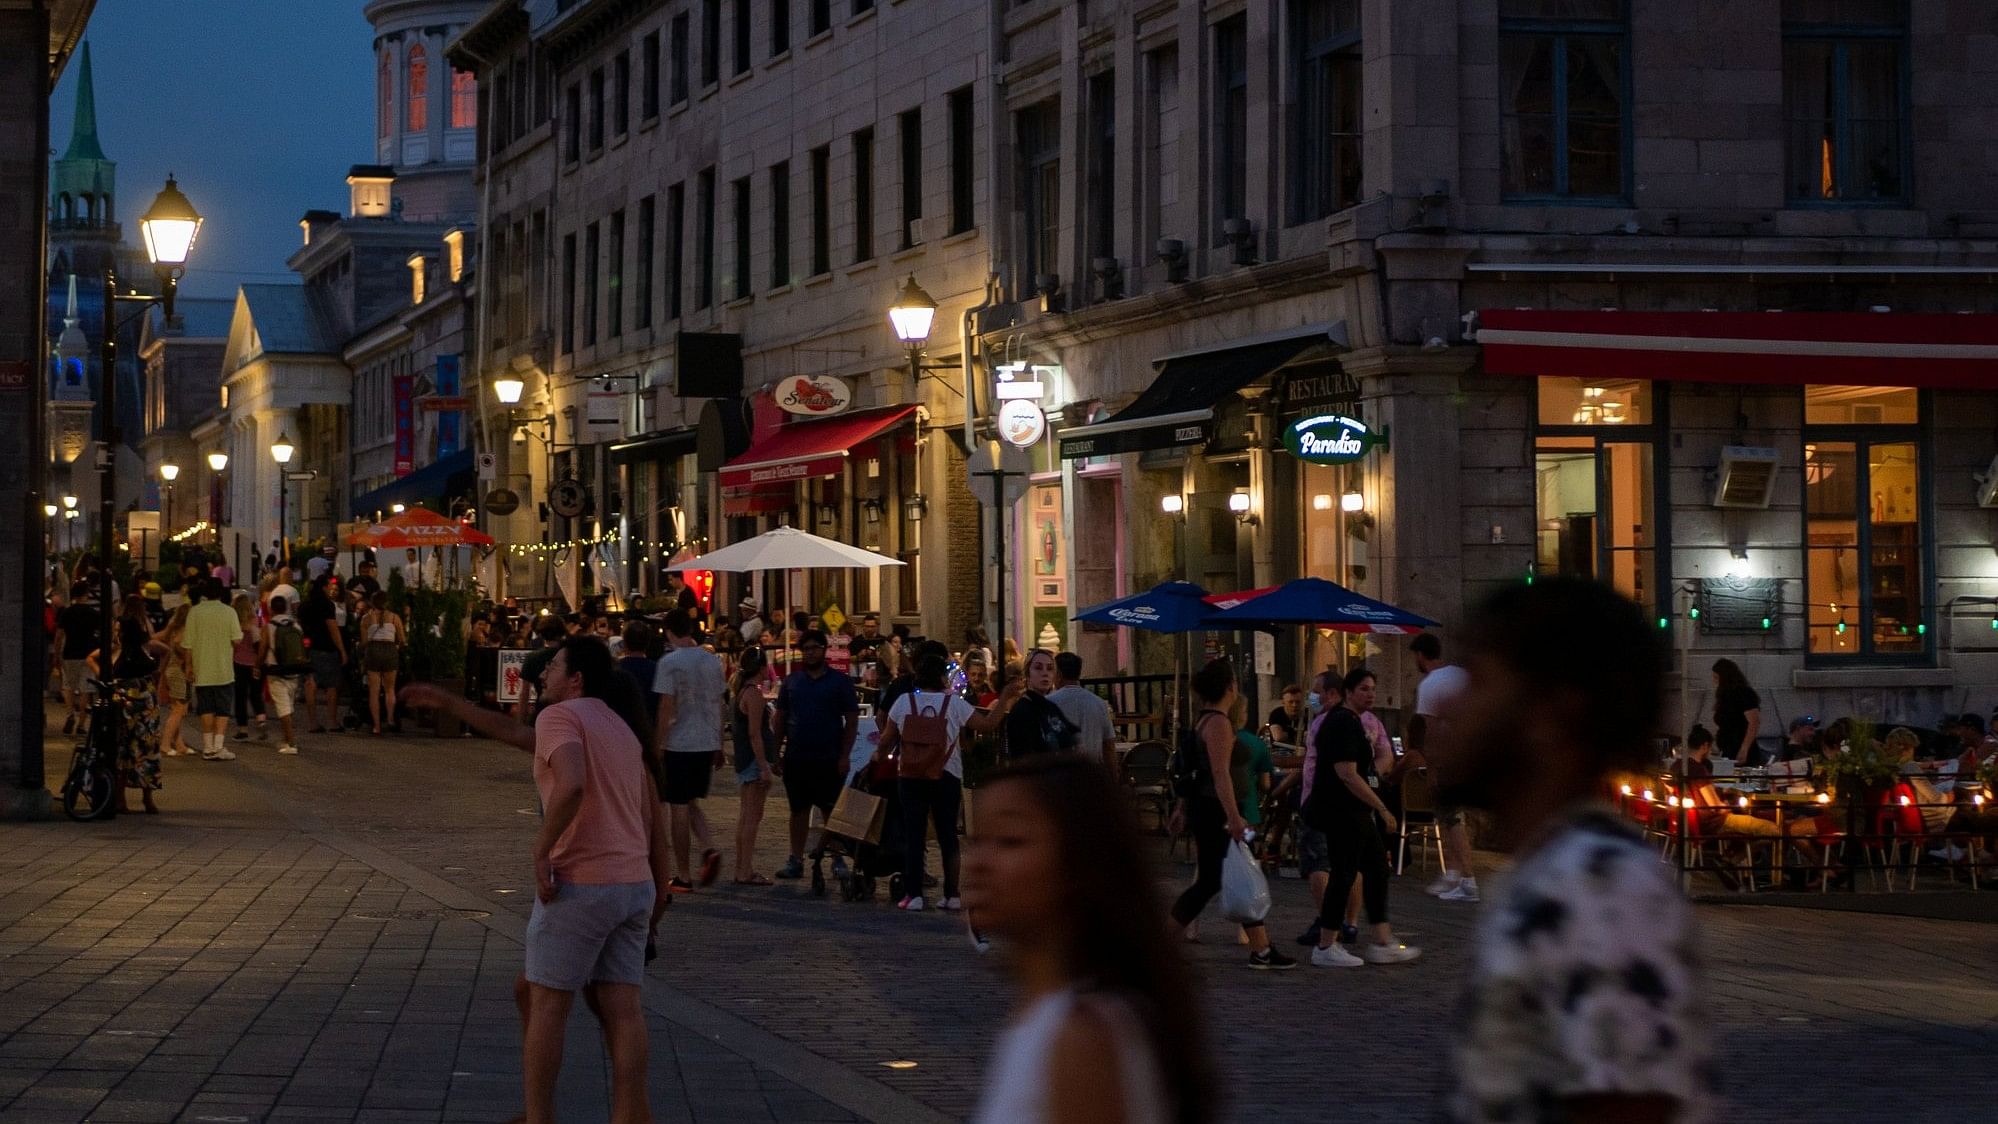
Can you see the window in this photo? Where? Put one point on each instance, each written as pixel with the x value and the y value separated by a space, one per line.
pixel 592 281
pixel 1039 128
pixel 596 109
pixel 821 17
pixel 614 287
pixel 642 298
pixel 1864 494
pixel 1101 171
pixel 963 171
pixel 742 37
pixel 1844 100
pixel 710 42
pixel 1161 155
pixel 503 254
pixel 704 238
pixel 860 6
pixel 1231 122
pixel 676 234
pixel 780 27
pixel 568 294
pixel 521 261
pixel 419 89
pixel 648 76
pixel 502 119
pixel 385 96
pixel 537 274
pixel 822 210
pixel 1563 69
pixel 863 195
pixel 454 250
pixel 1325 140
pixel 740 189
pixel 464 99
pixel 678 45
pixel 621 93
pixel 572 123
pixel 780 224
pixel 910 133
pixel 1597 490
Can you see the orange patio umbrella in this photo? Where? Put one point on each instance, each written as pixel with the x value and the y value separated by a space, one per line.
pixel 418 527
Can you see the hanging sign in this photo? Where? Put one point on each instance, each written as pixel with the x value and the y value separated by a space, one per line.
pixel 1022 422
pixel 1331 439
pixel 512 677
pixel 813 395
pixel 450 427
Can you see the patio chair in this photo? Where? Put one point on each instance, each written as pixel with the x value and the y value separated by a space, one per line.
pixel 1418 815
pixel 1145 777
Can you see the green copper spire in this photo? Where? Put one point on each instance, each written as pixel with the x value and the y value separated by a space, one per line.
pixel 83 133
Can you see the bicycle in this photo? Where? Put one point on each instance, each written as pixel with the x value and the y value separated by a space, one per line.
pixel 90 791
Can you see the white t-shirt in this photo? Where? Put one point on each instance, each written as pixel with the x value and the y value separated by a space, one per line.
pixel 1440 690
pixel 956 712
pixel 693 676
pixel 1089 714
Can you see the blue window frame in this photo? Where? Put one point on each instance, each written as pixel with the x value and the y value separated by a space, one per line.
pixel 1845 102
pixel 1564 100
pixel 1327 87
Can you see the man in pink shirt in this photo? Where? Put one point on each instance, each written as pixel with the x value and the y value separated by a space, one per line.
pixel 600 873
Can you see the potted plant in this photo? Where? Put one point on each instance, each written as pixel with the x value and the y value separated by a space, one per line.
pixel 434 620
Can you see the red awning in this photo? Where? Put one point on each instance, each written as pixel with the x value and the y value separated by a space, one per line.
pixel 1942 351
pixel 807 450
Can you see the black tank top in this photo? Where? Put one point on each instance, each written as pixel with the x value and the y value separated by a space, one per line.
pixel 745 752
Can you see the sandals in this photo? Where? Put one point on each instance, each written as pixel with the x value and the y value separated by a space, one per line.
pixel 710 866
pixel 753 880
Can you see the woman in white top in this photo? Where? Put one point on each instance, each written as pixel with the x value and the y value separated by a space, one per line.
pixel 382 638
pixel 926 726
pixel 1106 1030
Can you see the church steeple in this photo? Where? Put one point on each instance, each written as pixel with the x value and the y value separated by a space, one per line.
pixel 83 130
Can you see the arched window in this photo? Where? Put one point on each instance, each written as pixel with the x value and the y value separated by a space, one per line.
pixel 89 209
pixel 385 96
pixel 65 207
pixel 419 90
pixel 464 99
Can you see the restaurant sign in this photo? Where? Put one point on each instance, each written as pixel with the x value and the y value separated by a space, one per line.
pixel 813 395
pixel 1331 439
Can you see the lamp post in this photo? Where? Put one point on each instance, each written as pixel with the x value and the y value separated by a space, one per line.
pixel 168 228
pixel 169 472
pixel 281 451
pixel 217 462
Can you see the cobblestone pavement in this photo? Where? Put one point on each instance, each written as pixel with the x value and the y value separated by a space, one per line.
pixel 333 937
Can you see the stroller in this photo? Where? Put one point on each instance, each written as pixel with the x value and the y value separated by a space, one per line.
pixel 857 865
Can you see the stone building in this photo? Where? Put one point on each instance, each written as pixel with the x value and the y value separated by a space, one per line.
pixel 181 362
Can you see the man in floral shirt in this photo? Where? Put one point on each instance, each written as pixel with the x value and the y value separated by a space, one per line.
pixel 1584 999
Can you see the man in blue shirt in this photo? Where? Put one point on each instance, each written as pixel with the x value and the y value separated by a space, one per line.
pixel 816 719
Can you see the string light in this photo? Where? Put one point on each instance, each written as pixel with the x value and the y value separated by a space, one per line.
pixel 664 547
pixel 183 536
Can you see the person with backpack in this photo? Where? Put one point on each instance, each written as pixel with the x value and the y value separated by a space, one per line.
pixel 924 729
pixel 1034 724
pixel 281 651
pixel 1207 808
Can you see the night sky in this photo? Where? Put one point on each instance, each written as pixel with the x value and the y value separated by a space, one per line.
pixel 257 106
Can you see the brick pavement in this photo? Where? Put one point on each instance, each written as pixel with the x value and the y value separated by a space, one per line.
pixel 224 937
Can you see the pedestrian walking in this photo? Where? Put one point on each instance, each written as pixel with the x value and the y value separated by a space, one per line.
pixel 133 658
pixel 1095 737
pixel 924 730
pixel 174 682
pixel 690 687
pixel 326 650
pixel 600 870
pixel 1435 696
pixel 249 668
pixel 1344 805
pixel 1034 724
pixel 751 735
pixel 1584 1001
pixel 210 641
pixel 79 632
pixel 382 641
pixel 817 717
pixel 1207 807
pixel 281 653
pixel 1106 1027
pixel 1314 851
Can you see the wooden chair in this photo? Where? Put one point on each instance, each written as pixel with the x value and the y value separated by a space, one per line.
pixel 1418 814
pixel 1144 775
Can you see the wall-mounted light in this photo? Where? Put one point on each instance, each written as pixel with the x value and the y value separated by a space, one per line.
pixel 1172 503
pixel 915 507
pixel 1353 502
pixel 50 509
pixel 870 509
pixel 1321 502
pixel 397 509
pixel 1238 502
pixel 69 502
pixel 508 389
pixel 828 513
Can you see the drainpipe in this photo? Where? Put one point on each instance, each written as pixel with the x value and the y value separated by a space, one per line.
pixel 964 350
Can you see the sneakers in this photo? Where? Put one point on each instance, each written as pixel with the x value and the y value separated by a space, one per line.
pixel 242 735
pixel 953 905
pixel 288 751
pixel 912 905
pixel 1465 890
pixel 679 886
pixel 1270 960
pixel 218 755
pixel 1390 953
pixel 1332 956
pixel 979 943
pixel 1310 936
pixel 1445 882
pixel 793 869
pixel 1950 853
pixel 1349 934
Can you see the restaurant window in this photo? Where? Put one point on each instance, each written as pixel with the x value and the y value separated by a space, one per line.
pixel 1864 498
pixel 909 540
pixel 1039 136
pixel 1597 488
pixel 1844 103
pixel 1101 172
pixel 1563 78
pixel 1230 174
pixel 1325 139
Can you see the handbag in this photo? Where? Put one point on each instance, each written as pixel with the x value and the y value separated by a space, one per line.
pixel 925 738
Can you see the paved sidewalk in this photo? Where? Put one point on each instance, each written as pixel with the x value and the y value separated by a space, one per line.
pixel 333 937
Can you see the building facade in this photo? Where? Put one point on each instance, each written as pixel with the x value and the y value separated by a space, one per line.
pixel 181 361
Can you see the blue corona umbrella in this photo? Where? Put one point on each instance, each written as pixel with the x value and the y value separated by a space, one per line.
pixel 1315 601
pixel 1166 607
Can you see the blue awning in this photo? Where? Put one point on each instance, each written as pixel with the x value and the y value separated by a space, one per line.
pixel 441 479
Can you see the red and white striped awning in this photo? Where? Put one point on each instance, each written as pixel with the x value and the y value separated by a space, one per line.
pixel 1940 351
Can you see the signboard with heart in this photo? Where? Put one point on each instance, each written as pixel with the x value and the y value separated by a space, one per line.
pixel 813 395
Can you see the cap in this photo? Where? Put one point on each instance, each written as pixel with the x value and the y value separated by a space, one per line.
pixel 752 603
pixel 151 589
pixel 1801 721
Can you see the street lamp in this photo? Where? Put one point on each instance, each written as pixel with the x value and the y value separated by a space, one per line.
pixel 911 316
pixel 218 461
pixel 281 451
pixel 508 389
pixel 169 472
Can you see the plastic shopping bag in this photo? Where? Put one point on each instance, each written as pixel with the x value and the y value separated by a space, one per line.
pixel 1245 894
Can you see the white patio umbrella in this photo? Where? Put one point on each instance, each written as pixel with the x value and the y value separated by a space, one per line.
pixel 786 548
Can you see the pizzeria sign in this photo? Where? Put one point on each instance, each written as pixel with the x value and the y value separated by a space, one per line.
pixel 1332 439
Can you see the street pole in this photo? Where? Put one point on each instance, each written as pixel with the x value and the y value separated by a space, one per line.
pixel 107 477
pixel 168 529
pixel 284 524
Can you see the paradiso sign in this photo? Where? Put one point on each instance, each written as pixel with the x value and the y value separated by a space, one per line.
pixel 1331 439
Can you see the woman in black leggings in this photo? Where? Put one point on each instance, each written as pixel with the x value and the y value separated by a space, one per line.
pixel 1212 816
pixel 1342 803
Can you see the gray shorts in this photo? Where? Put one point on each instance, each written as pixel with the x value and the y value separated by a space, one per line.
pixel 1314 851
pixel 589 933
pixel 75 675
pixel 325 669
